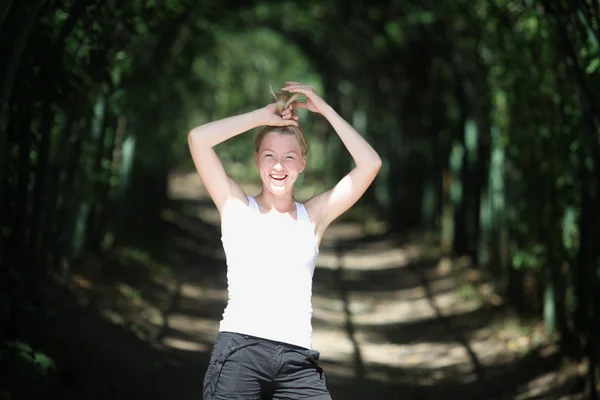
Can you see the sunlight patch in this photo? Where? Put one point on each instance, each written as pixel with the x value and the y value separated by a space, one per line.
pixel 186 345
pixel 192 326
pixel 202 293
pixel 113 316
pixel 368 260
pixel 377 313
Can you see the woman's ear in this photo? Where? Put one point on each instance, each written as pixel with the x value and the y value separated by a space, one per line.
pixel 303 165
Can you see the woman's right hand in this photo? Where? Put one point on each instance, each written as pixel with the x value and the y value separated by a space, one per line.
pixel 271 118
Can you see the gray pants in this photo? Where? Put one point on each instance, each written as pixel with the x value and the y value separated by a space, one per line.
pixel 247 367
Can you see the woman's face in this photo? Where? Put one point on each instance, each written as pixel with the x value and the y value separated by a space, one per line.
pixel 279 161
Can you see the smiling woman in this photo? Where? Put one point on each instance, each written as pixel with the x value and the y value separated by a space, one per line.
pixel 271 243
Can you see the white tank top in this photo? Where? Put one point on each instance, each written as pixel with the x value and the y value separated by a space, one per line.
pixel 270 264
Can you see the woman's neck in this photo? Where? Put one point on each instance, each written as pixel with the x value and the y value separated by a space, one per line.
pixel 281 204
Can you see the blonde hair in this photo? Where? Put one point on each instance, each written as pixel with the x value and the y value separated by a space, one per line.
pixel 283 101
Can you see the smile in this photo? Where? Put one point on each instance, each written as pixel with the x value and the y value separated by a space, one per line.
pixel 278 177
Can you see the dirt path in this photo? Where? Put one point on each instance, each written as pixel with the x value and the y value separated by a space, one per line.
pixel 393 319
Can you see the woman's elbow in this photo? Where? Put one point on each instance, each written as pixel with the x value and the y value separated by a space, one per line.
pixel 376 161
pixel 195 137
pixel 371 164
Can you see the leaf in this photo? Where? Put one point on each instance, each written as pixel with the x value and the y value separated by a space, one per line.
pixel 43 361
pixel 22 347
pixel 593 66
pixel 394 32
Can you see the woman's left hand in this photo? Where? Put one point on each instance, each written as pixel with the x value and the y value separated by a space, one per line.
pixel 313 103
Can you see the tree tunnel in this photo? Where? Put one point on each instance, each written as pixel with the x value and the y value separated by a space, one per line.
pixel 485 114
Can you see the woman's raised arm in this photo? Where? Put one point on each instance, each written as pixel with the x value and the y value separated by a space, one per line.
pixel 329 205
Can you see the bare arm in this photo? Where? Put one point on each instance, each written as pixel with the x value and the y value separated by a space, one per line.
pixel 329 205
pixel 203 138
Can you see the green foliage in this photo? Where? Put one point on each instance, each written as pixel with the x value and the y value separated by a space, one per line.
pixel 38 360
pixel 593 66
pixel 529 258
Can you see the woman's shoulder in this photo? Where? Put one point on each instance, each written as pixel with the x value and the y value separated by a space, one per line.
pixel 234 206
pixel 314 207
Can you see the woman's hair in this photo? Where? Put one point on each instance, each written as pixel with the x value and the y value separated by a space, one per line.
pixel 283 101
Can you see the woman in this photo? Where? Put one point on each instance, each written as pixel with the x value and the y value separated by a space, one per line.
pixel 271 242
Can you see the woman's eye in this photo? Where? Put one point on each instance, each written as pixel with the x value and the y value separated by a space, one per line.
pixel 268 155
pixel 290 157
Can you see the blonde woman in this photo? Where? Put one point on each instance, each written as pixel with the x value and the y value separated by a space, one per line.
pixel 271 243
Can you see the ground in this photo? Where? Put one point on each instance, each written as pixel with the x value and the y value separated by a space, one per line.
pixel 394 318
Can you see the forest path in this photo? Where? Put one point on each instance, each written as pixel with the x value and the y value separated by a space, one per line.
pixel 393 318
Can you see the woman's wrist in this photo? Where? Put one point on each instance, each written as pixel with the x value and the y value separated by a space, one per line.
pixel 327 111
pixel 260 117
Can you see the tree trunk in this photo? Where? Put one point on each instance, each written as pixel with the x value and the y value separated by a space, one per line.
pixel 98 174
pixel 65 222
pixel 17 54
pixel 4 13
pixel 41 171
